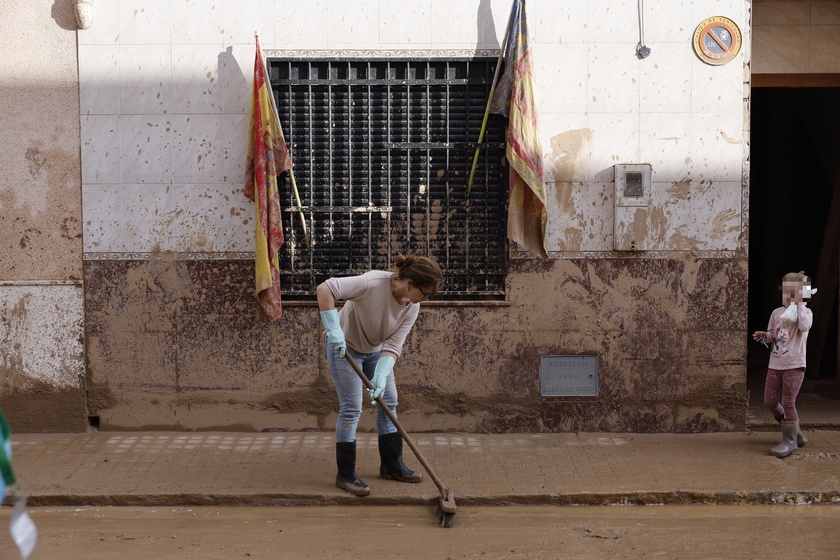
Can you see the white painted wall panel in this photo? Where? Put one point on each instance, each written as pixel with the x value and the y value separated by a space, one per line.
pixel 169 149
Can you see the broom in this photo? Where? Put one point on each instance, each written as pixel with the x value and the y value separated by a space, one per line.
pixel 445 510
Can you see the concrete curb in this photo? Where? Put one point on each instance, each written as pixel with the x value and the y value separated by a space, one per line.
pixel 642 498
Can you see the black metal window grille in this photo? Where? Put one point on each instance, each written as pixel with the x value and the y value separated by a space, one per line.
pixel 382 151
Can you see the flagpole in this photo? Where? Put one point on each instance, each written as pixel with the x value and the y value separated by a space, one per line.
pixel 276 117
pixel 489 103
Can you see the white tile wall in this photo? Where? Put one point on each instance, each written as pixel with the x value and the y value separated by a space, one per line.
pixel 150 213
pixel 165 97
pixel 392 28
pixel 196 88
pixel 561 77
pixel 665 81
pixel 196 22
pixel 101 150
pixel 717 146
pixel 613 21
pixel 668 21
pixel 145 22
pixel 352 24
pixel 105 29
pixel 716 88
pixel 240 20
pixel 145 79
pixel 663 135
pixel 560 22
pixel 146 144
pixel 615 139
pixel 99 84
pixel 467 24
pixel 102 217
pixel 613 78
pixel 299 25
pixel 198 152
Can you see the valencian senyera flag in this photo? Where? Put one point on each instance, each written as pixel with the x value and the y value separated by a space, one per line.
pixel 268 156
pixel 514 98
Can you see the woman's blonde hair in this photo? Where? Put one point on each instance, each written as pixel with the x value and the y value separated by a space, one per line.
pixel 796 277
pixel 422 271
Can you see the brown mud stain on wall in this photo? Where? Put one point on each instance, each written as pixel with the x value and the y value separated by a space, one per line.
pixel 573 239
pixel 183 344
pixel 572 235
pixel 680 190
pixel 41 358
pixel 41 231
pixel 41 407
pixel 726 221
pixel 568 155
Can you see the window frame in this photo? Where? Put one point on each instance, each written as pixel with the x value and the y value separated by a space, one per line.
pixel 481 271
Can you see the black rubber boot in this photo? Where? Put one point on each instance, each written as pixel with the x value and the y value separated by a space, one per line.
pixel 345 457
pixel 391 466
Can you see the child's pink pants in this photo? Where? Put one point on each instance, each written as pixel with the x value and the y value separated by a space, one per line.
pixel 789 382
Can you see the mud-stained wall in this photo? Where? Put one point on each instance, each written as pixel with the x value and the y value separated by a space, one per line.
pixel 179 344
pixel 175 339
pixel 151 110
pixel 42 357
pixel 41 312
pixel 40 182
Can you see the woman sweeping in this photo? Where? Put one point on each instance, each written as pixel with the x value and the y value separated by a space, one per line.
pixel 380 309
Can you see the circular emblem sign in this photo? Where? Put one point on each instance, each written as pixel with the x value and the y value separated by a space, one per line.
pixel 717 40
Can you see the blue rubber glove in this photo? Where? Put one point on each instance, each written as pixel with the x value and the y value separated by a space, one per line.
pixel 380 377
pixel 335 335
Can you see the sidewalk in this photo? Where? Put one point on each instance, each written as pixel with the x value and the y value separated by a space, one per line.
pixel 224 468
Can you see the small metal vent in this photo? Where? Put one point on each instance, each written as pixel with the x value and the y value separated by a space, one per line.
pixel 382 151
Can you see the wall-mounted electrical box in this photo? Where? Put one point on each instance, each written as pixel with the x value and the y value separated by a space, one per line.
pixel 632 202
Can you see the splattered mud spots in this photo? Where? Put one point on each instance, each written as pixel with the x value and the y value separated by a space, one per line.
pixel 182 343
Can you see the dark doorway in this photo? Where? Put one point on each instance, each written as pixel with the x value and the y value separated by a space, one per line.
pixel 794 157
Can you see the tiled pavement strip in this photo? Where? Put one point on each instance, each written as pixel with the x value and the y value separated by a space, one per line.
pixel 213 468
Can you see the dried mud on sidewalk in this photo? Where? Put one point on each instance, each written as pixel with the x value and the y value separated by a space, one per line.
pixel 194 469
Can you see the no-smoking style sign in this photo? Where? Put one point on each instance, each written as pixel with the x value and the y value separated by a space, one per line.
pixel 717 40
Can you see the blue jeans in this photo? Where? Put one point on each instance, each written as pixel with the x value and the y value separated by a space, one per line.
pixel 351 393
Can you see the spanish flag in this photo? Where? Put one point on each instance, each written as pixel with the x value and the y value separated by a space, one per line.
pixel 268 156
pixel 514 98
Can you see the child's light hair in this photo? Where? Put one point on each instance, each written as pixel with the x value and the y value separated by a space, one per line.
pixel 796 277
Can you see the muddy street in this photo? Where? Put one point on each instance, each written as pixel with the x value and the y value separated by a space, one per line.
pixel 410 532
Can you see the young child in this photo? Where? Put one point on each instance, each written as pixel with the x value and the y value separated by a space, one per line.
pixel 787 334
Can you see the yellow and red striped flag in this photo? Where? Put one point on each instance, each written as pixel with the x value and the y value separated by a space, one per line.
pixel 514 98
pixel 268 156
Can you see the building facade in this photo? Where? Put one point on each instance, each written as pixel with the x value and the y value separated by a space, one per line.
pixel 127 288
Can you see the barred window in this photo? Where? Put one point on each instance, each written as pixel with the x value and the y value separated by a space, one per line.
pixel 382 150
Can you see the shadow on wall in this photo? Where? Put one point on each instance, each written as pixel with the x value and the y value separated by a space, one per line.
pixel 486 26
pixel 64 15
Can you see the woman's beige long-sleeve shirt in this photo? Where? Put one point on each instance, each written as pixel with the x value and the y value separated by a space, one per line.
pixel 371 318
